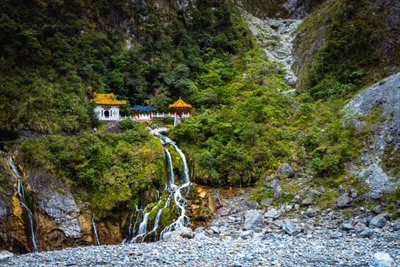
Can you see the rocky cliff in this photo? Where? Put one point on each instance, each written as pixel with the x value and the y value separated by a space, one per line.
pixel 378 108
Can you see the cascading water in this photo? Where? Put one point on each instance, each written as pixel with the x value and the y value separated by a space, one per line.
pixel 175 193
pixel 21 195
pixel 95 230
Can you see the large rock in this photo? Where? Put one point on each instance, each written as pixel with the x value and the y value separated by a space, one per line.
pixel 343 201
pixel 286 171
pixel 273 214
pixel 382 259
pixel 378 221
pixel 252 219
pixel 378 161
pixel 55 199
pixel 289 228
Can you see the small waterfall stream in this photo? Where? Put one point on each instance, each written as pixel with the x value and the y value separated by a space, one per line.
pixel 95 230
pixel 21 195
pixel 175 192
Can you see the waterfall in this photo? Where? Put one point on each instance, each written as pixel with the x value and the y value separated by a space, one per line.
pixel 143 224
pixel 95 230
pixel 174 191
pixel 171 181
pixel 21 195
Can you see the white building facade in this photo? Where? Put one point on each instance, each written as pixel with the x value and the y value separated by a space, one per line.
pixel 107 107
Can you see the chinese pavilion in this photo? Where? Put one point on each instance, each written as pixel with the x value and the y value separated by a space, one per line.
pixel 143 112
pixel 107 106
pixel 180 110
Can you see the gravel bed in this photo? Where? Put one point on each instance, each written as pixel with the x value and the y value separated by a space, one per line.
pixel 273 250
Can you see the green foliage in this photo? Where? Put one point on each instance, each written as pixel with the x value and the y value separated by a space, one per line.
pixel 375 116
pixel 54 55
pixel 112 168
pixel 346 39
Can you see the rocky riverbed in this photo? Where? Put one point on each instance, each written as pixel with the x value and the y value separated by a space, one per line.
pixel 245 234
pixel 261 250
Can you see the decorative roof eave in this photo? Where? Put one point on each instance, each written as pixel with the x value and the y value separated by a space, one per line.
pixel 143 108
pixel 180 104
pixel 107 99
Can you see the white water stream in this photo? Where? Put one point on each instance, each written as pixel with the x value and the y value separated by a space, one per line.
pixel 95 230
pixel 21 195
pixel 175 192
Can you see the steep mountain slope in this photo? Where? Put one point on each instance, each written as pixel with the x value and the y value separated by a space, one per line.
pixel 252 124
pixel 344 45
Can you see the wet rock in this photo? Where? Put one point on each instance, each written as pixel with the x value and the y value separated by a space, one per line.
pixel 378 221
pixel 185 232
pixel 289 228
pixel 382 259
pixel 172 237
pixel 343 201
pixel 252 219
pixel 285 171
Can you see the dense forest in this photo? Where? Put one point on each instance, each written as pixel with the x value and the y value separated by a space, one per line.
pixel 247 119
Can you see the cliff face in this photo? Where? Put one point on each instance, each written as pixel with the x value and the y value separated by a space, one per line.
pixel 282 9
pixel 378 107
pixel 343 46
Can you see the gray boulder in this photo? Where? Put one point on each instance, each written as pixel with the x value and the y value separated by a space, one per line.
pixel 252 219
pixel 343 201
pixel 272 213
pixel 347 227
pixel 286 171
pixel 382 259
pixel 307 202
pixel 378 221
pixel 289 228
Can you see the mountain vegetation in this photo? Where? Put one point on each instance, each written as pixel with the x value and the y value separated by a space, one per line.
pixel 247 120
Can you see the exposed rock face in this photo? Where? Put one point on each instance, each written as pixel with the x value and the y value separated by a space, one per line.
pixel 59 222
pixel 294 9
pixel 377 159
pixel 57 202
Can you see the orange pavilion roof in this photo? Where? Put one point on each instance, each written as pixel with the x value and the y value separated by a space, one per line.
pixel 180 104
pixel 107 99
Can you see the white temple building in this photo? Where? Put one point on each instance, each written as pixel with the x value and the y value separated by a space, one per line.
pixel 107 107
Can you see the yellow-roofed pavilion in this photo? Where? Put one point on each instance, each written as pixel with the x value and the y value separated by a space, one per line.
pixel 107 106
pixel 181 109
